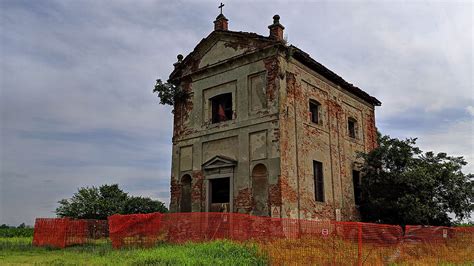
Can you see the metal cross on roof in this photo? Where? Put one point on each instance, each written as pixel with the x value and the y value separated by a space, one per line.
pixel 221 6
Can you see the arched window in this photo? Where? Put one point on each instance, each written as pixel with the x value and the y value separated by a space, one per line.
pixel 260 190
pixel 352 127
pixel 185 194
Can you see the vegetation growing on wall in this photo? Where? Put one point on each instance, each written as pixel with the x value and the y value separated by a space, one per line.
pixel 169 93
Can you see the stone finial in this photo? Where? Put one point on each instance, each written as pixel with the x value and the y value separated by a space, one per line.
pixel 276 29
pixel 180 59
pixel 276 19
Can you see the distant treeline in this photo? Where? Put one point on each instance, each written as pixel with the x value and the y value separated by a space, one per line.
pixel 19 231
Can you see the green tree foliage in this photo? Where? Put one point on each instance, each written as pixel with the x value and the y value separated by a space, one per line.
pixel 169 93
pixel 143 205
pixel 22 230
pixel 99 203
pixel 402 185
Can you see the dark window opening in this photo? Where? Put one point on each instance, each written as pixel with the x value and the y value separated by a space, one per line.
pixel 352 127
pixel 318 181
pixel 221 107
pixel 356 182
pixel 220 190
pixel 314 109
pixel 186 193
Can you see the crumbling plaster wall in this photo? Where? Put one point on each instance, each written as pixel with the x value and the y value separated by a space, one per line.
pixel 280 136
pixel 254 133
pixel 328 142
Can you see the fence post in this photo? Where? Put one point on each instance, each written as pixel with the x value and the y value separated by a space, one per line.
pixel 333 236
pixel 359 251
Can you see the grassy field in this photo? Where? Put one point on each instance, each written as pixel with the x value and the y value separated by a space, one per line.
pixel 18 250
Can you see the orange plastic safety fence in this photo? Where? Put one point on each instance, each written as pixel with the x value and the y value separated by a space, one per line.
pixel 285 241
pixel 292 241
pixel 134 229
pixel 438 244
pixel 50 232
pixel 62 232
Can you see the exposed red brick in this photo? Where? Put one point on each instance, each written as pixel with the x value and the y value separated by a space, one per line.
pixel 198 191
pixel 274 194
pixel 287 192
pixel 271 65
pixel 243 202
pixel 175 191
pixel 371 132
pixel 182 109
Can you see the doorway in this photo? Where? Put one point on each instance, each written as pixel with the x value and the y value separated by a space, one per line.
pixel 219 200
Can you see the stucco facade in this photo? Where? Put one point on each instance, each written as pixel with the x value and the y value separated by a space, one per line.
pixel 247 138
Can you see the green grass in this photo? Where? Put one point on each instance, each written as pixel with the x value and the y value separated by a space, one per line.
pixel 18 250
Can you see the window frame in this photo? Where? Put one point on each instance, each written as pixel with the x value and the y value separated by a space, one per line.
pixel 318 178
pixel 354 132
pixel 318 113
pixel 229 108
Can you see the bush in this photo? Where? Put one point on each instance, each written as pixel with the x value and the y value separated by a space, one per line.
pixel 16 232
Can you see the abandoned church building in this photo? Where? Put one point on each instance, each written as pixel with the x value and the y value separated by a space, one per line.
pixel 266 130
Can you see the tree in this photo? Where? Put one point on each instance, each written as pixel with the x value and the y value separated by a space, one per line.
pixel 169 93
pixel 99 203
pixel 144 205
pixel 402 185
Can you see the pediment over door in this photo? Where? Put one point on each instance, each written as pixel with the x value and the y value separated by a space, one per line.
pixel 219 162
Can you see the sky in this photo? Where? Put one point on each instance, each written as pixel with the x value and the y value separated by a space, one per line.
pixel 76 80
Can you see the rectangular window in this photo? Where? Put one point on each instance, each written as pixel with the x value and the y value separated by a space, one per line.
pixel 351 125
pixel 314 108
pixel 318 181
pixel 221 107
pixel 356 182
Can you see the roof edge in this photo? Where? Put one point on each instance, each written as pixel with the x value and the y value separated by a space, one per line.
pixel 306 59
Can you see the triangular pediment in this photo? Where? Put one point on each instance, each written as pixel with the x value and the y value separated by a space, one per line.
pixel 219 47
pixel 219 161
pixel 221 51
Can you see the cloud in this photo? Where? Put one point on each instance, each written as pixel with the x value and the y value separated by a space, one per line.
pixel 76 80
pixel 470 110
